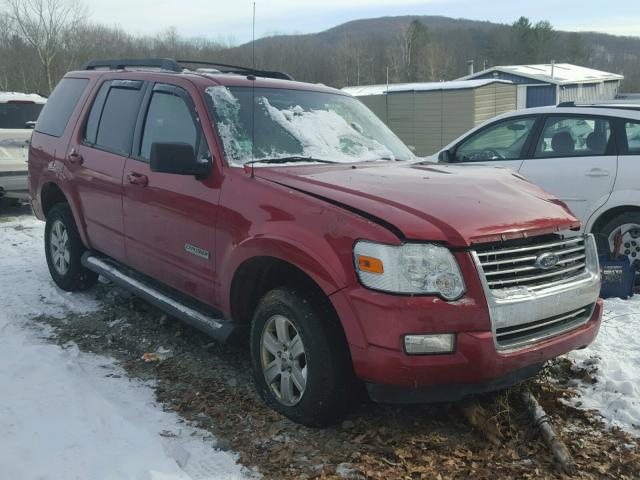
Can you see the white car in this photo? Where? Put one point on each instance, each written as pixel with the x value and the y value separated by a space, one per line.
pixel 588 156
pixel 18 114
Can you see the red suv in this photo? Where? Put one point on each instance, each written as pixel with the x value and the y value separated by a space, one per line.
pixel 253 206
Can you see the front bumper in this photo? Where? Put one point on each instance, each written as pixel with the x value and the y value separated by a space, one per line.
pixel 376 323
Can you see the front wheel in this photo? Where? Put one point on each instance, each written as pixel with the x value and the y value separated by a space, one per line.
pixel 301 362
pixel 63 249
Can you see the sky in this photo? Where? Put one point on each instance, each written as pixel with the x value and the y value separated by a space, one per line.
pixel 231 19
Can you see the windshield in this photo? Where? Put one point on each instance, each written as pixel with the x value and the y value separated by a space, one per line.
pixel 299 123
pixel 15 115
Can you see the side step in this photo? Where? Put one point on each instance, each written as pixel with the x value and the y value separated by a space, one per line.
pixel 218 328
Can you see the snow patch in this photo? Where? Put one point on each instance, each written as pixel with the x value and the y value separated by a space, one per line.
pixel 68 414
pixel 614 359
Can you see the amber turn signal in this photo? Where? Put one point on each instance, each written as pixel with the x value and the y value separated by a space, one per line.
pixel 370 264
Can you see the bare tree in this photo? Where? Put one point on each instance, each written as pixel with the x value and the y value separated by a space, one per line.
pixel 45 24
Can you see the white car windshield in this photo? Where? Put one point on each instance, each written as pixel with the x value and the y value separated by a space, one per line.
pixel 274 123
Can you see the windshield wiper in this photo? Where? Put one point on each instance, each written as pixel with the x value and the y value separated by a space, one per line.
pixel 292 158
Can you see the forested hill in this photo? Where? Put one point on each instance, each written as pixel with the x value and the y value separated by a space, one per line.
pixel 417 48
pixel 406 48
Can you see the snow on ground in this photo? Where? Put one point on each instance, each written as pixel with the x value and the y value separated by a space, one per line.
pixel 614 360
pixel 72 415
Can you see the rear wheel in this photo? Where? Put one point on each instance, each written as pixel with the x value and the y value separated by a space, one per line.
pixel 628 224
pixel 301 362
pixel 64 249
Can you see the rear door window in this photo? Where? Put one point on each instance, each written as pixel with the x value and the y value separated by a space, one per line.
pixel 502 141
pixel 574 137
pixel 632 131
pixel 16 114
pixel 57 111
pixel 117 116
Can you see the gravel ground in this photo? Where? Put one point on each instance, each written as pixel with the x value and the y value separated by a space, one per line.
pixel 210 384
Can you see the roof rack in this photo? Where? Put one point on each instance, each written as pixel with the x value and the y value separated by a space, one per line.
pixel 122 63
pixel 172 65
pixel 227 68
pixel 613 104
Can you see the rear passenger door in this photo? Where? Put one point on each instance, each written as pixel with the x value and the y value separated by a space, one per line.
pixel 575 159
pixel 169 219
pixel 97 156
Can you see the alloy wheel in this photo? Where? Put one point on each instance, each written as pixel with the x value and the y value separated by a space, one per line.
pixel 60 248
pixel 284 361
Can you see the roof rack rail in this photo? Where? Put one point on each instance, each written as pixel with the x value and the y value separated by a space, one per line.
pixel 612 105
pixel 172 65
pixel 121 63
pixel 239 69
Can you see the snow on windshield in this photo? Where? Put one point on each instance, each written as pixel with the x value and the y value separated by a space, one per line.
pixel 306 124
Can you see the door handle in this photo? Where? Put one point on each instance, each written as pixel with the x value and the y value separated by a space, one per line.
pixel 138 179
pixel 75 157
pixel 597 172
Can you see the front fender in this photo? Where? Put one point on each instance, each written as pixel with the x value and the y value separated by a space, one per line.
pixel 311 254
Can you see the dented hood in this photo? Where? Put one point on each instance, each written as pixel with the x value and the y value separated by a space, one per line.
pixel 456 204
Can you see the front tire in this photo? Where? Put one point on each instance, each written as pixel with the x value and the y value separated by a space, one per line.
pixel 301 362
pixel 63 249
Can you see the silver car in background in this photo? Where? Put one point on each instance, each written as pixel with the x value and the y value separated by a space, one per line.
pixel 18 114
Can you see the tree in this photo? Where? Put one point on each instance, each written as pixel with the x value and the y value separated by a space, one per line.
pixel 45 25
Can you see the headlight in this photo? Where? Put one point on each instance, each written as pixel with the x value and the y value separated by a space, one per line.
pixel 410 268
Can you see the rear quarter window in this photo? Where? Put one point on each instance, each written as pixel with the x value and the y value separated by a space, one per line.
pixel 632 131
pixel 55 115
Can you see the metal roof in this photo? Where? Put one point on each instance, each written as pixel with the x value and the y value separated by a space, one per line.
pixel 563 73
pixel 21 97
pixel 363 90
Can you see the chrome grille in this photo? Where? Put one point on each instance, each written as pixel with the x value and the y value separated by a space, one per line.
pixel 525 333
pixel 514 265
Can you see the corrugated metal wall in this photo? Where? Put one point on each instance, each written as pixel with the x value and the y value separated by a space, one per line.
pixel 431 119
pixel 589 92
pixel 494 99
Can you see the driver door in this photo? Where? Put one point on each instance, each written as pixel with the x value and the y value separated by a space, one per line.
pixel 503 143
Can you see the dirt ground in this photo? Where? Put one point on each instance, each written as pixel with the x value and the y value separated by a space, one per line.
pixel 210 385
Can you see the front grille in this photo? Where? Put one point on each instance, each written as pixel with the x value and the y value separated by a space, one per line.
pixel 517 335
pixel 513 264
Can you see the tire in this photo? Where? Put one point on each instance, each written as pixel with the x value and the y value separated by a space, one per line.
pixel 63 249
pixel 630 233
pixel 325 364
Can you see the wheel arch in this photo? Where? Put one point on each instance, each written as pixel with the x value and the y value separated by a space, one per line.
pixel 597 222
pixel 50 194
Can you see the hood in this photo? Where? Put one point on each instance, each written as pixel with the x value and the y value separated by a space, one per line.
pixel 459 205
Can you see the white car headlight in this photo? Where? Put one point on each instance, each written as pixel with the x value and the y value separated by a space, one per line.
pixel 412 268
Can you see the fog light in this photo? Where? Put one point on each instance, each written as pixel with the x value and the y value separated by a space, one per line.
pixel 429 344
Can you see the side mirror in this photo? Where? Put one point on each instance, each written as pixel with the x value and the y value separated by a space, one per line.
pixel 31 124
pixel 444 156
pixel 178 158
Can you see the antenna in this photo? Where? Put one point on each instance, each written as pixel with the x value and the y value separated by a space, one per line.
pixel 253 37
pixel 253 95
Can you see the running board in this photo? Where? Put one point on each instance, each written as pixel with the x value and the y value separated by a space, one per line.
pixel 219 329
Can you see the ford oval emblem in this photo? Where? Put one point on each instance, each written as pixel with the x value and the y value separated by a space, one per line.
pixel 547 261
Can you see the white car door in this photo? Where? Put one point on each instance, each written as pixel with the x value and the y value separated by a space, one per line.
pixel 575 159
pixel 501 143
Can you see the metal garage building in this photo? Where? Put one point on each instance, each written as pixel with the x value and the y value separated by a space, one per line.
pixel 430 115
pixel 550 84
